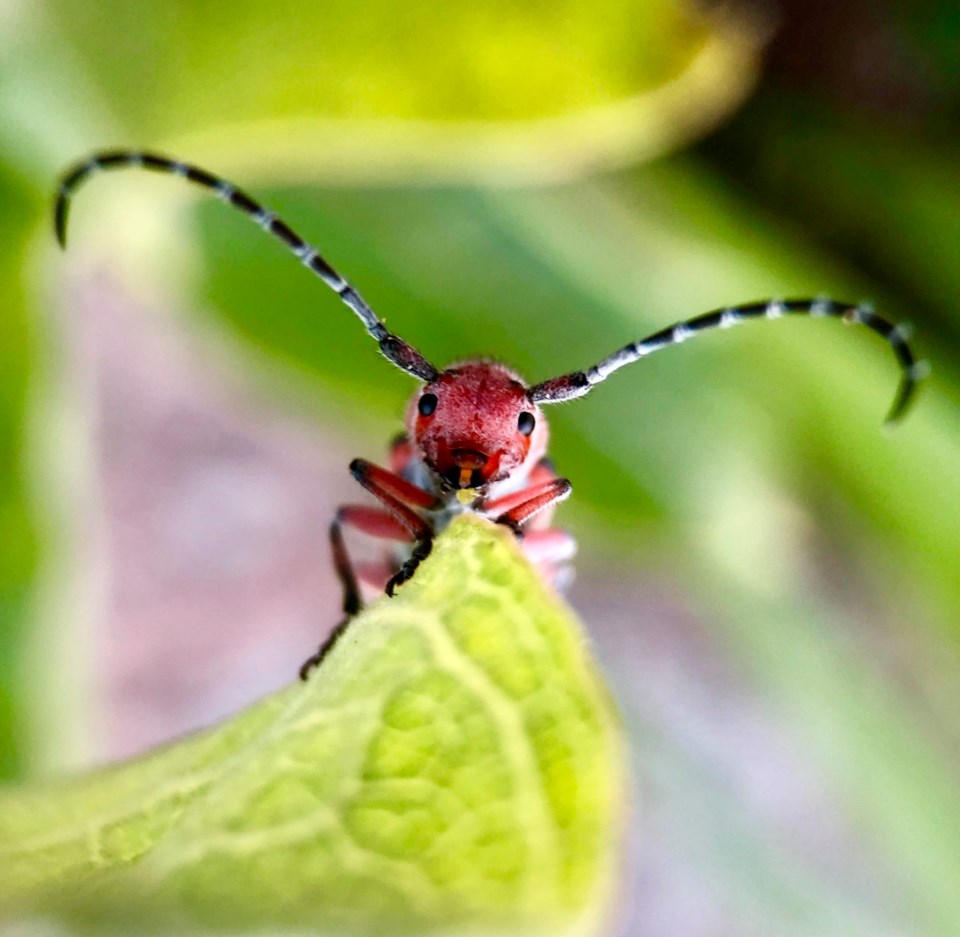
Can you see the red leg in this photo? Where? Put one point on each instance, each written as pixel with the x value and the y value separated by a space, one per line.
pixel 374 522
pixel 377 523
pixel 516 509
pixel 516 498
pixel 399 522
pixel 352 602
pixel 395 494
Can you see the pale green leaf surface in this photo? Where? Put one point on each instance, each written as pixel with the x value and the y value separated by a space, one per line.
pixel 359 91
pixel 453 767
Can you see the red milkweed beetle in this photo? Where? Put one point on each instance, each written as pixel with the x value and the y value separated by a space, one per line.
pixel 475 438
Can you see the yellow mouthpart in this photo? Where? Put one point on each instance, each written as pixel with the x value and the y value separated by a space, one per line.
pixel 466 496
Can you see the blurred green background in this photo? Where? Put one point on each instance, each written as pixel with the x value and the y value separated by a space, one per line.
pixel 773 582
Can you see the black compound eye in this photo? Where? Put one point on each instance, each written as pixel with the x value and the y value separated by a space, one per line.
pixel 525 423
pixel 427 404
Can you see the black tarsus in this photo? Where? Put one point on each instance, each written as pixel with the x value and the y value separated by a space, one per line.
pixel 421 551
pixel 352 602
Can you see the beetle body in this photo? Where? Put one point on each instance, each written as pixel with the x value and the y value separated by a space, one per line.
pixel 475 441
pixel 476 437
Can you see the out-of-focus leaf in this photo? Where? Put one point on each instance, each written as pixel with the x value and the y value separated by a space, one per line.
pixel 18 553
pixel 453 766
pixel 364 90
pixel 890 200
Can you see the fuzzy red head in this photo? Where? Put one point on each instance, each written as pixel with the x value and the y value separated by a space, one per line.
pixel 476 424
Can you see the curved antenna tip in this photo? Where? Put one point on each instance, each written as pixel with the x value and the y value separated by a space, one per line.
pixel 60 211
pixel 917 372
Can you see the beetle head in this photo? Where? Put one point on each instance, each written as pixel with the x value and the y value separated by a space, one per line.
pixel 475 424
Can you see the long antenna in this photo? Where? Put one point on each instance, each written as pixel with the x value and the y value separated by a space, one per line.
pixel 395 349
pixel 577 383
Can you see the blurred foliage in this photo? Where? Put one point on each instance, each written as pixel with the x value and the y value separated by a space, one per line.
pixel 17 559
pixel 866 190
pixel 491 61
pixel 748 466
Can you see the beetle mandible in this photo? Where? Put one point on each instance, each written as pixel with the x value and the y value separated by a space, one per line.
pixel 476 438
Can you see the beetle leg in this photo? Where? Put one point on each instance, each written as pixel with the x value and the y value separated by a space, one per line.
pixel 374 522
pixel 395 493
pixel 420 552
pixel 352 602
pixel 514 510
pixel 398 522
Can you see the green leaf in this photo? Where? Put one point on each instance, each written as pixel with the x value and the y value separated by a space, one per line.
pixel 454 764
pixel 346 90
pixel 17 520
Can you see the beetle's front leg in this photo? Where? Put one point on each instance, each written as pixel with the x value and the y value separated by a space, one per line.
pixel 396 493
pixel 399 522
pixel 375 523
pixel 547 548
pixel 514 510
pixel 421 551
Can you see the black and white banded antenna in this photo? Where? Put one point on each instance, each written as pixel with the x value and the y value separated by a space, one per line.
pixel 577 383
pixel 394 348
